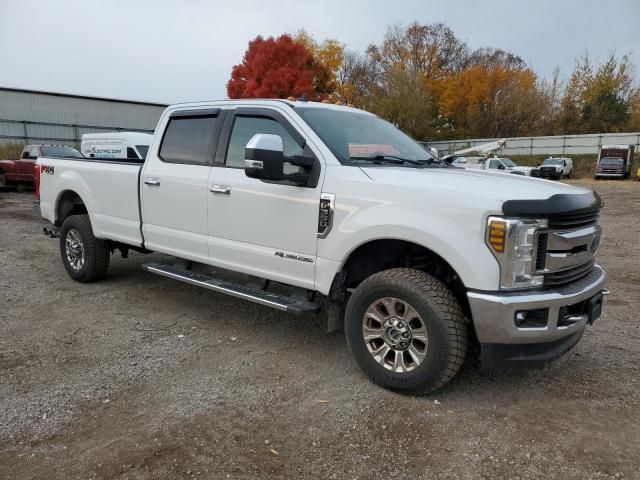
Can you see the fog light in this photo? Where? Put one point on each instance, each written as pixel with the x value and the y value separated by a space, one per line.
pixel 532 318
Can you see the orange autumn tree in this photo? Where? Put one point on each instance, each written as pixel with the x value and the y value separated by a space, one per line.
pixel 492 101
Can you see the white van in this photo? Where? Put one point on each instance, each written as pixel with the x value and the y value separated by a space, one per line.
pixel 116 145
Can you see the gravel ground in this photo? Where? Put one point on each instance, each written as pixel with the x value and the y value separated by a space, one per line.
pixel 141 377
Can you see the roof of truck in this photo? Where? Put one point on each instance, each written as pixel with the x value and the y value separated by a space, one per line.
pixel 271 102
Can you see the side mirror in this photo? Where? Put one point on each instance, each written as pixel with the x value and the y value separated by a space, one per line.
pixel 501 167
pixel 264 157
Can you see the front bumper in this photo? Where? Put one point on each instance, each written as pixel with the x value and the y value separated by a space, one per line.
pixel 494 313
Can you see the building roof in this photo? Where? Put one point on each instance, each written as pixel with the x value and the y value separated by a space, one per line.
pixel 85 97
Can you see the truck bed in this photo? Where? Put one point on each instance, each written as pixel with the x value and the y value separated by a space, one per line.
pixel 109 189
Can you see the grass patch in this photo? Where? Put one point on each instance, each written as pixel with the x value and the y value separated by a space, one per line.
pixel 11 151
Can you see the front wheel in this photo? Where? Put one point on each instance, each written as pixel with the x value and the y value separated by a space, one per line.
pixel 406 330
pixel 85 257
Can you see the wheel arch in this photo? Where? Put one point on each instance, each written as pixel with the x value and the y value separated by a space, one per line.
pixel 69 202
pixel 380 254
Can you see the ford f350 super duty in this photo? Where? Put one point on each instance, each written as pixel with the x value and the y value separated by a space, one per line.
pixel 315 208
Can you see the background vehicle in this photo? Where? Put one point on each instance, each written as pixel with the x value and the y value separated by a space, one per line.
pixel 116 145
pixel 416 259
pixel 614 161
pixel 556 168
pixel 505 165
pixel 461 161
pixel 22 170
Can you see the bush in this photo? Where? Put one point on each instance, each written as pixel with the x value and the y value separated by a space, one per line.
pixel 11 151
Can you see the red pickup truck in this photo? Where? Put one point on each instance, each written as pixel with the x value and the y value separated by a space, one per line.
pixel 22 170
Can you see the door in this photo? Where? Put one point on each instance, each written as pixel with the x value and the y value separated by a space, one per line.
pixel 264 229
pixel 174 185
pixel 496 165
pixel 27 163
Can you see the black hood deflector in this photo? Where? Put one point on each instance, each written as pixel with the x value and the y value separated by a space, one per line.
pixel 558 204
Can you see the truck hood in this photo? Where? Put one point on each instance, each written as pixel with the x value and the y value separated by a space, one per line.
pixel 477 184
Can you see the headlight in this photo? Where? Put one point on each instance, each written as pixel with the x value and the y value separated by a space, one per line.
pixel 512 242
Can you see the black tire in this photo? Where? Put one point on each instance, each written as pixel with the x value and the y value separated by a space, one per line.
pixel 447 329
pixel 96 257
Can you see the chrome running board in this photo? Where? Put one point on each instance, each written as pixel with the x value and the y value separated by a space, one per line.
pixel 274 300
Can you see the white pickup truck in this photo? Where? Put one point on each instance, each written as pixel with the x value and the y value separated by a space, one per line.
pixel 308 207
pixel 505 165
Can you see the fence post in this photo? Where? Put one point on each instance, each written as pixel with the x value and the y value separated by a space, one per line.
pixel 564 146
pixel 75 134
pixel 531 149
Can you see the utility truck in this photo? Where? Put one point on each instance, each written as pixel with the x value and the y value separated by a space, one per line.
pixel 489 159
pixel 614 161
pixel 288 205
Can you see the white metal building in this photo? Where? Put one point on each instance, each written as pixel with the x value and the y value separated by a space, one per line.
pixel 28 116
pixel 557 145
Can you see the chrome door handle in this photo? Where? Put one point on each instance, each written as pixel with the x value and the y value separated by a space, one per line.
pixel 152 182
pixel 220 189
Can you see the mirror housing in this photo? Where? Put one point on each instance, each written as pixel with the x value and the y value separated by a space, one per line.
pixel 264 157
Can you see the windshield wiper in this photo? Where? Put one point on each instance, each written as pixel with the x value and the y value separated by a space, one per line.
pixel 392 159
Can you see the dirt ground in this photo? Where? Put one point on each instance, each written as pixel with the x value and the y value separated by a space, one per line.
pixel 142 377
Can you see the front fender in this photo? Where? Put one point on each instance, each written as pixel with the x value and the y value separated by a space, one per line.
pixel 455 234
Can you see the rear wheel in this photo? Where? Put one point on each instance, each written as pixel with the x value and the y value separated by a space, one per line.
pixel 85 257
pixel 406 331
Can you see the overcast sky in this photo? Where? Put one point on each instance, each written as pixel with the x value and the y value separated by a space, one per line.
pixel 171 51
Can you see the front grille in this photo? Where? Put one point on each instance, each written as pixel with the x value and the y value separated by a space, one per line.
pixel 551 171
pixel 541 251
pixel 563 277
pixel 571 220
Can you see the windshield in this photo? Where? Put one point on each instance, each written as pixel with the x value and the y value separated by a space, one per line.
pixel 60 151
pixel 508 162
pixel 142 150
pixel 353 136
pixel 611 161
pixel 552 161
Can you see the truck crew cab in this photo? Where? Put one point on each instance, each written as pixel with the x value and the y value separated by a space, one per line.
pixel 417 260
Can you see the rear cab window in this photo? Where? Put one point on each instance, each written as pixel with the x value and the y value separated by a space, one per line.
pixel 189 137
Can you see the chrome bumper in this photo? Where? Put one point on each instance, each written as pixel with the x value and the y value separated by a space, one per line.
pixel 494 313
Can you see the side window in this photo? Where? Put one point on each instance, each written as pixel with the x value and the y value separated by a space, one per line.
pixel 131 153
pixel 244 128
pixel 493 164
pixel 26 153
pixel 188 140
